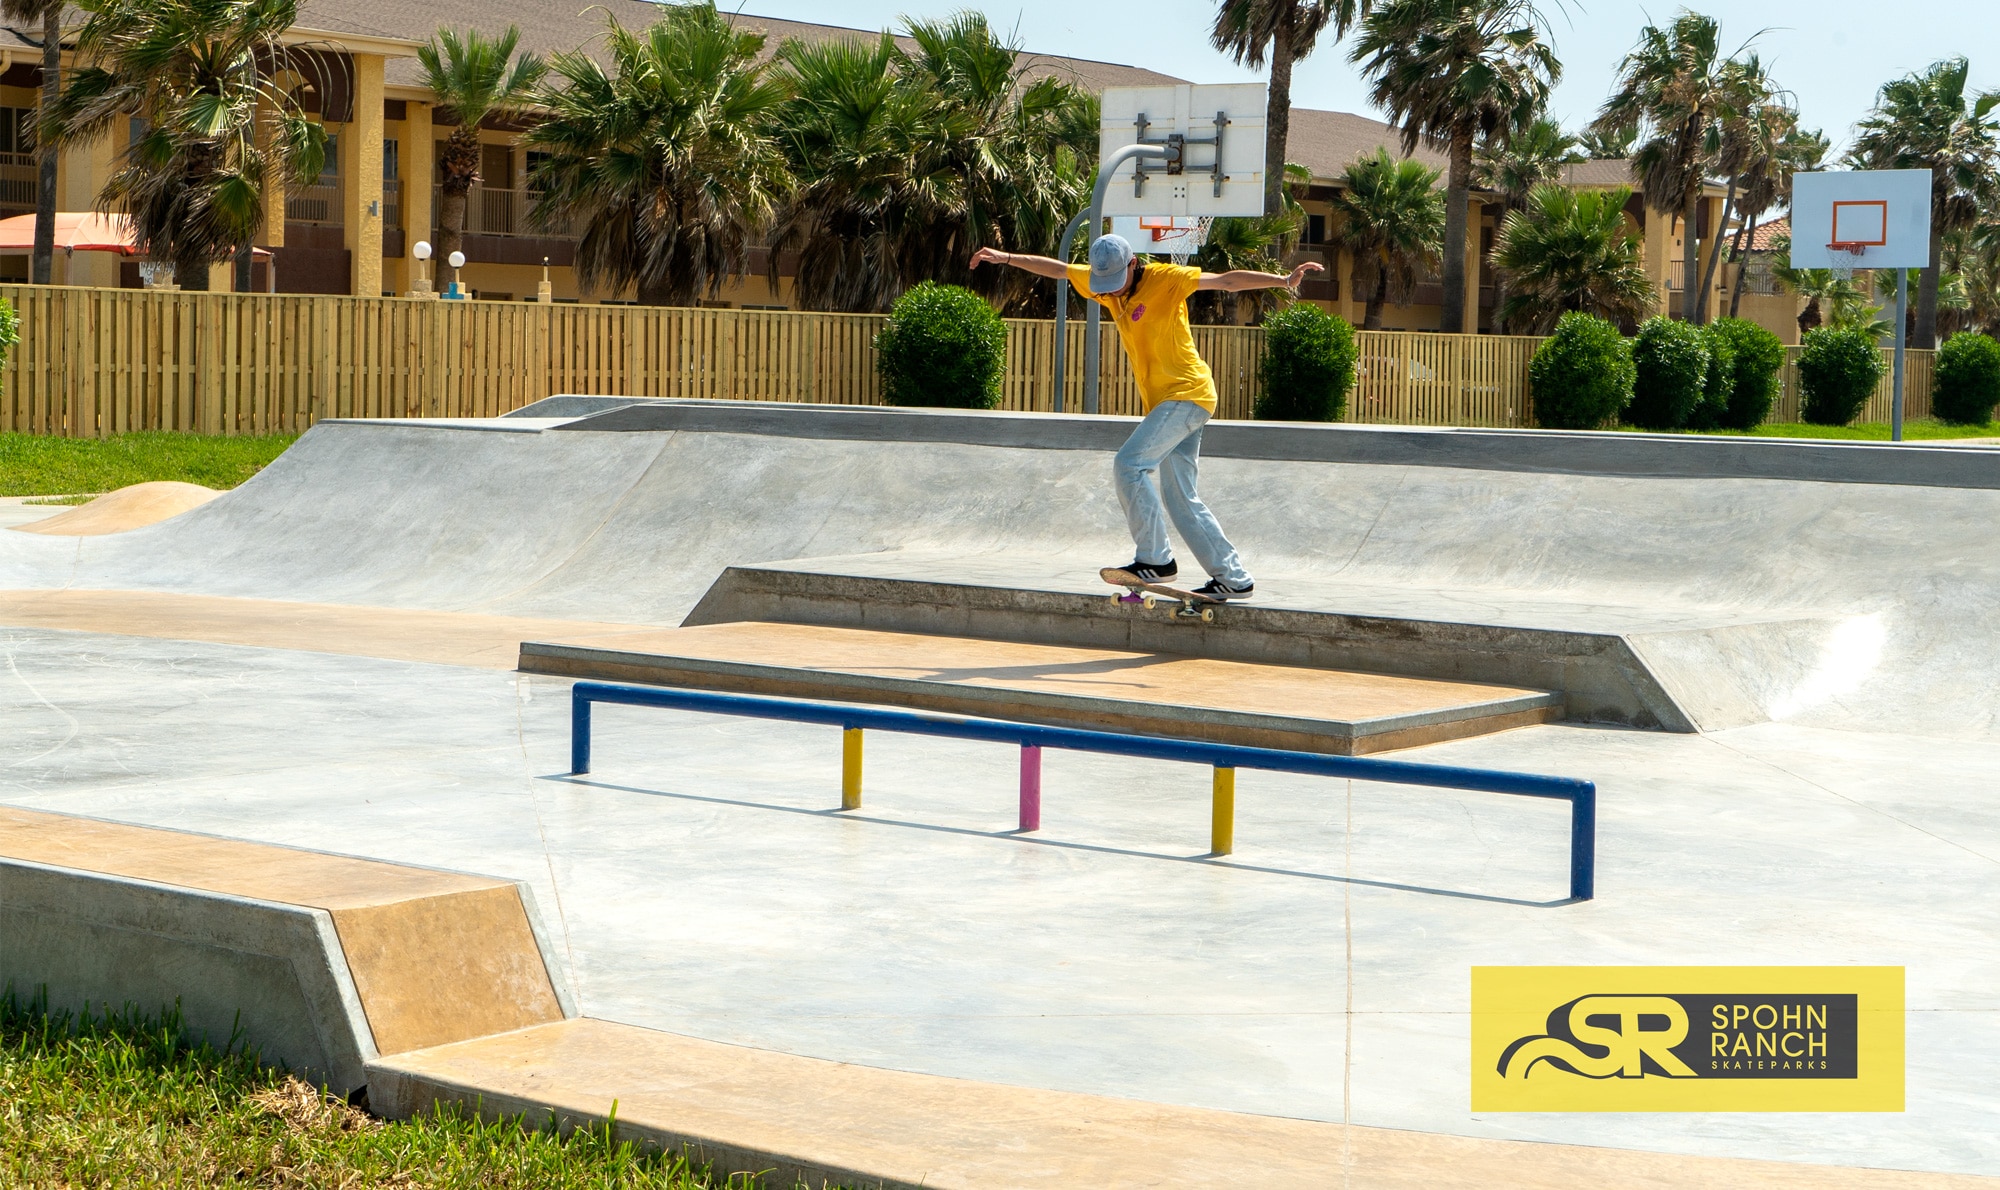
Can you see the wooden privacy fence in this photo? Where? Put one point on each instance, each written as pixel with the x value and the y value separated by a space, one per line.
pixel 94 362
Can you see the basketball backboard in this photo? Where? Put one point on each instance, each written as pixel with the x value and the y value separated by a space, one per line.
pixel 1216 133
pixel 1867 218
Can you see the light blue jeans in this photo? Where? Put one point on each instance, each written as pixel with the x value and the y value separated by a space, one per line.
pixel 1168 443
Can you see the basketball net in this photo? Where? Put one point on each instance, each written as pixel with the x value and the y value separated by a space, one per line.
pixel 1176 239
pixel 1847 257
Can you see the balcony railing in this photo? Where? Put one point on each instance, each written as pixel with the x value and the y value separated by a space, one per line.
pixel 392 203
pixel 318 203
pixel 20 176
pixel 494 212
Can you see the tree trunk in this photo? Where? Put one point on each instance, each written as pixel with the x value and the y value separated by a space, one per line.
pixel 1925 335
pixel 1277 122
pixel 656 292
pixel 240 267
pixel 1458 196
pixel 191 275
pixel 1371 317
pixel 42 268
pixel 1715 234
pixel 1745 236
pixel 1809 318
pixel 451 223
pixel 1691 254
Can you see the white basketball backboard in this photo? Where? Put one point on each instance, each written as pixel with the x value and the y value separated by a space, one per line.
pixel 1218 132
pixel 1880 218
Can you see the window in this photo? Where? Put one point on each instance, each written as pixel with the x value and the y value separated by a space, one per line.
pixel 534 163
pixel 1315 229
pixel 17 130
pixel 391 167
pixel 496 167
pixel 330 172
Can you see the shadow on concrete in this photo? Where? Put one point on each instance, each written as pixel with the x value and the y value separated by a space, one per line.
pixel 1206 859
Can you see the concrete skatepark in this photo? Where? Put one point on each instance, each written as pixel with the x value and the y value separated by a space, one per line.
pixel 1775 660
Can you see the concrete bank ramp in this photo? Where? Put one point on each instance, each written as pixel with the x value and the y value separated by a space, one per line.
pixel 1835 584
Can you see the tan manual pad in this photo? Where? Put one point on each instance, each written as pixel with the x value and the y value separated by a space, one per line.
pixel 436 956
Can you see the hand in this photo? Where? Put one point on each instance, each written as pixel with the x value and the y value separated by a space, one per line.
pixel 1304 267
pixel 988 256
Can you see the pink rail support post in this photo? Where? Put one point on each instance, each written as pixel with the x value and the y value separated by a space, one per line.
pixel 1031 787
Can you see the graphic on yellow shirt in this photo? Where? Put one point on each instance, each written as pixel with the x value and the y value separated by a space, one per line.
pixel 1153 323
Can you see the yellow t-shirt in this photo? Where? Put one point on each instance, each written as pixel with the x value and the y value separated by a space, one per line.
pixel 1153 323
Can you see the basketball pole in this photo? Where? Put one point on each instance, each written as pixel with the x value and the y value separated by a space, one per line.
pixel 1094 220
pixel 1902 332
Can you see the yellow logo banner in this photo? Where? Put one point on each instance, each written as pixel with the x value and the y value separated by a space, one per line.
pixel 1575 1039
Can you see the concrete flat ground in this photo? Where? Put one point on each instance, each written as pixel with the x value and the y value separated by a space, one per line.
pixel 700 881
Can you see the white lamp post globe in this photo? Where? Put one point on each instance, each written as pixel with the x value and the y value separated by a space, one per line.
pixel 421 249
pixel 456 260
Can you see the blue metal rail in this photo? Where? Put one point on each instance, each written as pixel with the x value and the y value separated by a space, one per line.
pixel 1226 758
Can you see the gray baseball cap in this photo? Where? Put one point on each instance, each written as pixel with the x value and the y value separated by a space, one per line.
pixel 1110 256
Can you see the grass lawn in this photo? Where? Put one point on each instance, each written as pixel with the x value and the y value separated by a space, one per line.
pixel 125 1102
pixel 33 465
pixel 1868 431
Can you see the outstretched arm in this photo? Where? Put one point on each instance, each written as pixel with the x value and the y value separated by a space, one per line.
pixel 1041 266
pixel 1238 280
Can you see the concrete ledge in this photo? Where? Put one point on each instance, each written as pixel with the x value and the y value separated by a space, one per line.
pixel 1328 732
pixel 328 960
pixel 751 1111
pixel 1672 456
pixel 1599 676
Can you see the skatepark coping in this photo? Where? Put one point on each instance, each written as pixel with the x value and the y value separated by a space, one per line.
pixel 1611 453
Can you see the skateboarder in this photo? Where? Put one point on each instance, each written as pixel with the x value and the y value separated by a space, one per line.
pixel 1148 302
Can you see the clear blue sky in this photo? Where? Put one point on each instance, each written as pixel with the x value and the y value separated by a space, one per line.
pixel 1832 54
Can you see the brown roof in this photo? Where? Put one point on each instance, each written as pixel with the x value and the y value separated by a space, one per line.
pixel 1602 171
pixel 552 26
pixel 1328 142
pixel 1764 233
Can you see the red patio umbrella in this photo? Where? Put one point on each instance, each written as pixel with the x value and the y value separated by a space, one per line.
pixel 80 231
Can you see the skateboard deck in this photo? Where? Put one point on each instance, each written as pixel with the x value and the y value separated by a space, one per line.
pixel 1137 590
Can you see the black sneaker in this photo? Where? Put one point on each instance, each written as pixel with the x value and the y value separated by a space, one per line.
pixel 1215 588
pixel 1149 573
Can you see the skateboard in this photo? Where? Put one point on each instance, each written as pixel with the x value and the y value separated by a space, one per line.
pixel 1137 590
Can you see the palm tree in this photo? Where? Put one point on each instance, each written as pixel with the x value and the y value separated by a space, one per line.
pixel 1768 182
pixel 1929 121
pixel 1678 86
pixel 1512 167
pixel 1572 250
pixel 216 133
pixel 1284 31
pixel 1393 222
pixel 47 14
pixel 1831 299
pixel 667 164
pixel 475 78
pixel 1025 160
pixel 1754 128
pixel 909 161
pixel 1450 72
pixel 1612 144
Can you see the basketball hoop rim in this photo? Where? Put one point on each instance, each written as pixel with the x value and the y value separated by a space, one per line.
pixel 1855 248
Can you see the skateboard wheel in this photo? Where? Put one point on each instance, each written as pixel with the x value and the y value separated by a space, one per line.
pixel 1116 599
pixel 1150 602
pixel 1208 615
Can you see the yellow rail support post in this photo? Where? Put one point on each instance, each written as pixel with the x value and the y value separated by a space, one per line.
pixel 1222 827
pixel 850 769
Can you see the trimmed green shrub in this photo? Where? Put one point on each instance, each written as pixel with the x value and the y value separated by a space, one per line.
pixel 1671 362
pixel 1308 365
pixel 1967 383
pixel 943 346
pixel 1717 383
pixel 1581 376
pixel 1838 370
pixel 1758 356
